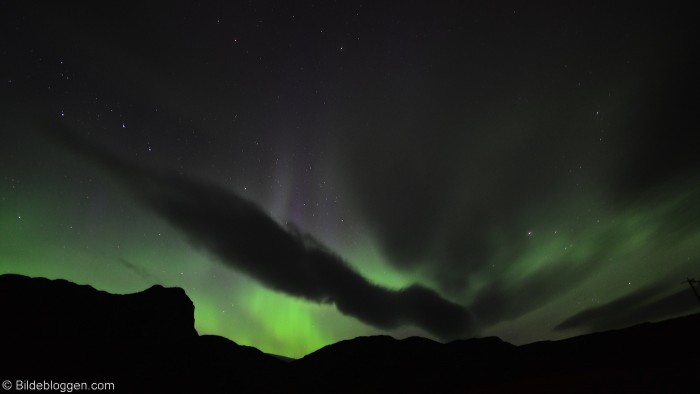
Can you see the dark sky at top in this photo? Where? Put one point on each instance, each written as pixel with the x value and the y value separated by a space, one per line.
pixel 315 171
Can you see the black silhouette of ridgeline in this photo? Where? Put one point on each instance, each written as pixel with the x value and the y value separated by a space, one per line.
pixel 143 342
pixel 651 357
pixel 146 342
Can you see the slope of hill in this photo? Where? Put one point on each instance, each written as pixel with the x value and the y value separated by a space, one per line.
pixel 143 342
pixel 60 331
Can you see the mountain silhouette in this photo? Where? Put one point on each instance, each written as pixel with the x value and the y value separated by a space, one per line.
pixel 143 342
pixel 146 342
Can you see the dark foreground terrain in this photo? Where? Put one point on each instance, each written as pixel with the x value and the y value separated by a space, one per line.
pixel 54 330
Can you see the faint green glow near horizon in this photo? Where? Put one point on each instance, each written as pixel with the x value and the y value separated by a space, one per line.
pixel 287 325
pixel 642 244
pixel 636 244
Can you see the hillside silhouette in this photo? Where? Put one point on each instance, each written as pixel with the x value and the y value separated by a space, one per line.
pixel 146 342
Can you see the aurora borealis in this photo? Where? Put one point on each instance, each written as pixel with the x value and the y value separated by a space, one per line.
pixel 534 165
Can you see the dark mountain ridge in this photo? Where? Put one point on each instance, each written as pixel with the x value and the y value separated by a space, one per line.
pixel 146 342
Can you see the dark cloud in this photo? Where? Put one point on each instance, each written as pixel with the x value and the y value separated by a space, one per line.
pixel 443 164
pixel 509 300
pixel 647 304
pixel 240 234
pixel 138 270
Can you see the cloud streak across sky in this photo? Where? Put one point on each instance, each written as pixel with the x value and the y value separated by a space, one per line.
pixel 647 304
pixel 241 235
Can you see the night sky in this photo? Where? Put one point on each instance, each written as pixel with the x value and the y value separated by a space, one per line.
pixel 315 171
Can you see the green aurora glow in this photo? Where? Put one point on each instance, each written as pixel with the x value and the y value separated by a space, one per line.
pixel 526 165
pixel 622 249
